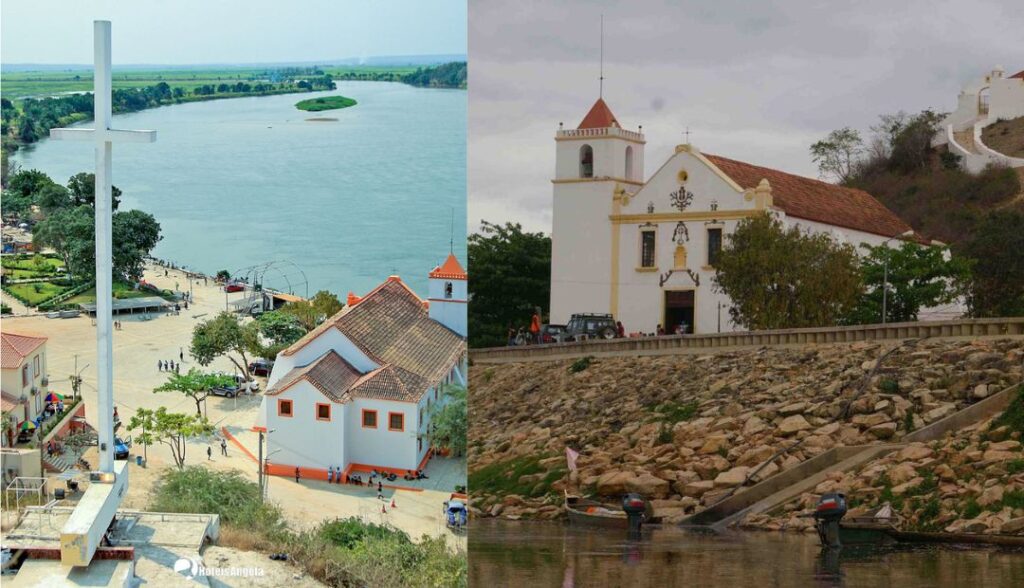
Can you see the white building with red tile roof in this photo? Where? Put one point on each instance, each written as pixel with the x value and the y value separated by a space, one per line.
pixel 356 393
pixel 23 380
pixel 644 249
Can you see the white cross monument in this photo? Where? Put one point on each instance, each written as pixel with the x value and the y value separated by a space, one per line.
pixel 82 533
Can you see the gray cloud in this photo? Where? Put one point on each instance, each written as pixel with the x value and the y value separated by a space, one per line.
pixel 755 81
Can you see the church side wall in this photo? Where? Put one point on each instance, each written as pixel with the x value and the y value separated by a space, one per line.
pixel 1006 99
pixel 302 440
pixel 378 446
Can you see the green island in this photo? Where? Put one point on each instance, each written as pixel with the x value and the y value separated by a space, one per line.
pixel 325 103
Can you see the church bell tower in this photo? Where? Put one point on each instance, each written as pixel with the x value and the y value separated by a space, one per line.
pixel 593 162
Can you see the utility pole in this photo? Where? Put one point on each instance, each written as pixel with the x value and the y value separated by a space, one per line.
pixel 259 466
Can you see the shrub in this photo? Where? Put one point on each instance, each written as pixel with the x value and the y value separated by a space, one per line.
pixel 889 386
pixel 580 364
pixel 1013 416
pixel 672 413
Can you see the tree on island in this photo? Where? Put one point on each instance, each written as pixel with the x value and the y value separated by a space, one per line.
pixel 170 428
pixel 511 277
pixel 448 423
pixel 918 277
pixel 225 335
pixel 784 279
pixel 195 385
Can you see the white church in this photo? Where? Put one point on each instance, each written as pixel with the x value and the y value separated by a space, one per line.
pixel 356 393
pixel 644 249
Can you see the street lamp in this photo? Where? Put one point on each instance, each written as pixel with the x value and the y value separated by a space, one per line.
pixel 259 461
pixel 885 272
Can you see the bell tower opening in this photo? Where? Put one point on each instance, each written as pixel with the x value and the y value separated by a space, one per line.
pixel 629 162
pixel 586 161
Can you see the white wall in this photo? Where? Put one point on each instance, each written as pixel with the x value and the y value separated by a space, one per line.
pixel 302 440
pixel 379 446
pixel 580 250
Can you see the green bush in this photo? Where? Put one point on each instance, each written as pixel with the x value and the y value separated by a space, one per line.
pixel 1013 416
pixel 672 412
pixel 889 386
pixel 502 478
pixel 581 364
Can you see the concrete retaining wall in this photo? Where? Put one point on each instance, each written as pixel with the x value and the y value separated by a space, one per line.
pixel 989 327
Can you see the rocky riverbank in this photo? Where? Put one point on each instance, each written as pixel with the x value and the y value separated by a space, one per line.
pixel 686 429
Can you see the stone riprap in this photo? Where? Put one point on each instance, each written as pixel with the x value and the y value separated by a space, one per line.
pixel 684 430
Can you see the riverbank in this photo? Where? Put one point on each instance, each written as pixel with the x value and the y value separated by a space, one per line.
pixel 687 430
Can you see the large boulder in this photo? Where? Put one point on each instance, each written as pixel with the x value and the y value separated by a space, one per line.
pixel 793 424
pixel 648 486
pixel 613 483
pixel 733 477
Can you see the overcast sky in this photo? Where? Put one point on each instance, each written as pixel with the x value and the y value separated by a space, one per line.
pixel 755 81
pixel 230 31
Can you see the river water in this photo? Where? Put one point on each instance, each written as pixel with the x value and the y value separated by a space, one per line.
pixel 240 182
pixel 541 555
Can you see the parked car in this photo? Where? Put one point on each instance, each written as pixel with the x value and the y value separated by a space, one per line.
pixel 552 333
pixel 583 326
pixel 260 367
pixel 229 391
pixel 234 287
pixel 121 447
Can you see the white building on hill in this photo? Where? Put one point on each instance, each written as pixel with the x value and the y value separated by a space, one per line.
pixel 356 393
pixel 982 102
pixel 644 250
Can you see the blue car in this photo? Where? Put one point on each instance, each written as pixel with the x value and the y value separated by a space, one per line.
pixel 121 447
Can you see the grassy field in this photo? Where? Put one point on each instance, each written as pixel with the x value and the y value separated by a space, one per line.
pixel 35 293
pixel 24 84
pixel 325 103
pixel 18 267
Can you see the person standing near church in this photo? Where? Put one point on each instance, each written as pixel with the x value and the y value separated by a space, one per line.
pixel 297 474
pixel 535 327
pixel 330 474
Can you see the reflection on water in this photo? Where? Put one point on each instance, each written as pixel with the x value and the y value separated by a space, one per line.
pixel 539 555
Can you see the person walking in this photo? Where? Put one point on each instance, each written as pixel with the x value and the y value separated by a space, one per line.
pixel 224 447
pixel 620 331
pixel 535 327
pixel 297 474
pixel 177 368
pixel 159 365
pixel 330 474
pixel 209 453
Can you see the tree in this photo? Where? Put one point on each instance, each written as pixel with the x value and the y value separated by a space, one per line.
pixel 71 233
pixel 310 313
pixel 223 335
pixel 918 277
pixel 911 144
pixel 448 423
pixel 53 197
pixel 28 181
pixel 170 428
pixel 194 384
pixel 781 279
pixel 837 154
pixel 223 275
pixel 135 234
pixel 511 277
pixel 16 204
pixel 83 190
pixel 997 276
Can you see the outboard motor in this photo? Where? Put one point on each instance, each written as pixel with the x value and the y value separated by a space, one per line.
pixel 830 510
pixel 635 507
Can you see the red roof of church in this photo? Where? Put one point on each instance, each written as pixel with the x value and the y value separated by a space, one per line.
pixel 14 348
pixel 451 269
pixel 1019 74
pixel 599 117
pixel 815 200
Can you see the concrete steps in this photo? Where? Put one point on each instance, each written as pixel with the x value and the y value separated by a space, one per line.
pixel 58 463
pixel 789 484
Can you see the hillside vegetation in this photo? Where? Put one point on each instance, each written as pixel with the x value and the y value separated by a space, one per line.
pixel 1005 136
